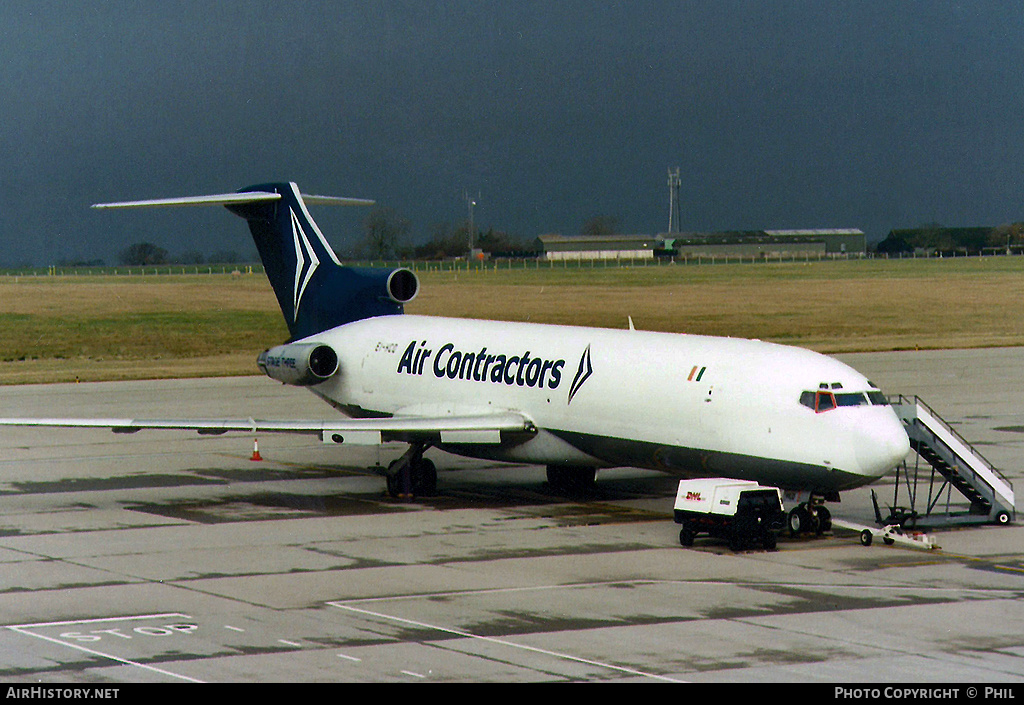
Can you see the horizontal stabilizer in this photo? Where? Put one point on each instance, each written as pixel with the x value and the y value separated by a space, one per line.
pixel 229 199
pixel 220 199
pixel 336 200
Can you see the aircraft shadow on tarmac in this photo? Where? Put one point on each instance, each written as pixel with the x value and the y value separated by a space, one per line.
pixel 238 495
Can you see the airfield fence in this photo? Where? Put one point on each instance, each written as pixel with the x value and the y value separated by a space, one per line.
pixel 485 265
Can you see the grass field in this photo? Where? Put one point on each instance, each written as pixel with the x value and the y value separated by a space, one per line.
pixel 89 328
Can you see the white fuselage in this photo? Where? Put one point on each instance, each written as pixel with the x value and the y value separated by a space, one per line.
pixel 687 404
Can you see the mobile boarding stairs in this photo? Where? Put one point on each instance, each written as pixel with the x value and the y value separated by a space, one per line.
pixel 986 496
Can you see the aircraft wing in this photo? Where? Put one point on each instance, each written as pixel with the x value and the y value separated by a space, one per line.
pixel 494 428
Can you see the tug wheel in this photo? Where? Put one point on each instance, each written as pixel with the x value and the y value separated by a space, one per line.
pixel 797 521
pixel 685 537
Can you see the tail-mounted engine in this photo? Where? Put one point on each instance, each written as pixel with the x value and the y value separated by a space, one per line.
pixel 301 364
pixel 402 285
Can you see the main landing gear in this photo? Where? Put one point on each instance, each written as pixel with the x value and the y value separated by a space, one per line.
pixel 570 479
pixel 810 517
pixel 412 475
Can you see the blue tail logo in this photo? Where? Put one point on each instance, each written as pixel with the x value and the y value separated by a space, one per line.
pixel 306 263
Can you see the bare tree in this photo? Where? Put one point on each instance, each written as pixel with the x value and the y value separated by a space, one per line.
pixel 143 253
pixel 385 230
pixel 600 225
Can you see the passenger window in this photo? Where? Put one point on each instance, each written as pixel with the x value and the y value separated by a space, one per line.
pixel 825 402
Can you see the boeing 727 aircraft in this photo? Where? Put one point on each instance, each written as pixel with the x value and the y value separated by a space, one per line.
pixel 573 399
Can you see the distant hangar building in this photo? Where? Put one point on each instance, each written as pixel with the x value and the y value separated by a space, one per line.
pixel 758 243
pixel 586 247
pixel 770 243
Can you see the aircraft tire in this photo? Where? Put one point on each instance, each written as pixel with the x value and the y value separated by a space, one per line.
pixel 392 484
pixel 424 478
pixel 399 483
pixel 824 520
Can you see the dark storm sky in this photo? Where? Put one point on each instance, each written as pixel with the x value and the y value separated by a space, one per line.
pixel 781 114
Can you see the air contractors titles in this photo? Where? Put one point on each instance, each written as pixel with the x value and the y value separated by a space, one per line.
pixel 481 365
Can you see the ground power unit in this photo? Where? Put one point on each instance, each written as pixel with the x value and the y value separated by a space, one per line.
pixel 745 514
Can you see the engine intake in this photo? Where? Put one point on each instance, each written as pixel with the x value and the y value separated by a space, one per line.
pixel 300 364
pixel 402 285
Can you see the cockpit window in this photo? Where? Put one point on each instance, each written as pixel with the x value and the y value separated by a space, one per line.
pixel 825 400
pixel 851 399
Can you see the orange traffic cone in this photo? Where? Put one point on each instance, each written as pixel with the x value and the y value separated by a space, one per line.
pixel 256 450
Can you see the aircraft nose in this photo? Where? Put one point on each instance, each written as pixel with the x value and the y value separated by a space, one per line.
pixel 885 446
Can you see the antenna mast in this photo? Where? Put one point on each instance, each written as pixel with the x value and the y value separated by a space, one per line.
pixel 470 204
pixel 673 200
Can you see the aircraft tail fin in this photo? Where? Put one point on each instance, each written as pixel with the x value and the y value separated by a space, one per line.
pixel 314 290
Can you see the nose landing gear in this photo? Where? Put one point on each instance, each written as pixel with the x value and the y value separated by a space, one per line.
pixel 810 517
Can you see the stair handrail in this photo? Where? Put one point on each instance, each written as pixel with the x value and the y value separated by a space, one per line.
pixel 949 429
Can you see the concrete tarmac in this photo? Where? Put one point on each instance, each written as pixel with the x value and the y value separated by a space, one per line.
pixel 171 557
